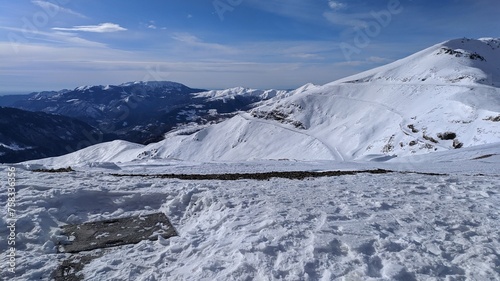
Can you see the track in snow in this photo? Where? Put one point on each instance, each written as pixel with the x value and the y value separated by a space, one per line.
pixel 333 150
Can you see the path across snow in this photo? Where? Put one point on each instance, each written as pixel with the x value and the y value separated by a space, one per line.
pixel 333 150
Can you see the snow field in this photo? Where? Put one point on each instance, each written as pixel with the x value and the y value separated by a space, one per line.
pixel 362 227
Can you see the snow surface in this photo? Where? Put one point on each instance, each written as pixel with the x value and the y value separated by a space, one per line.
pixel 360 227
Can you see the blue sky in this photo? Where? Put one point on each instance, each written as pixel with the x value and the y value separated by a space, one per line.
pixel 213 44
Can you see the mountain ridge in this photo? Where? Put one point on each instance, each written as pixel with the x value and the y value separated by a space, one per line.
pixel 143 111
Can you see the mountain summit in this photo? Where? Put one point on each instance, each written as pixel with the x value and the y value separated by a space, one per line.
pixel 458 61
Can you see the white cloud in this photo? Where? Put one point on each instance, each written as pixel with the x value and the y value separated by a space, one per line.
pixel 376 59
pixel 335 5
pixel 194 41
pixel 100 28
pixel 56 8
pixel 186 38
pixel 152 26
pixel 296 9
pixel 368 61
pixel 358 20
pixel 25 36
pixel 306 56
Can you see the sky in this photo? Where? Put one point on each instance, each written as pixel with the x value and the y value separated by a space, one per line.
pixel 216 44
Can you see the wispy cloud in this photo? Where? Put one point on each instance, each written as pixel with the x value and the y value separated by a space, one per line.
pixel 56 8
pixel 293 63
pixel 306 56
pixel 336 5
pixel 100 28
pixel 152 25
pixel 373 60
pixel 194 41
pixel 27 35
pixel 347 19
pixel 296 9
pixel 376 59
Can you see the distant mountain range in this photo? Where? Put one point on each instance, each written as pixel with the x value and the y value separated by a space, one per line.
pixel 442 98
pixel 140 112
pixel 26 135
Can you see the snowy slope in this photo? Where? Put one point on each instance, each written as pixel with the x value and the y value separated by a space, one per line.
pixel 395 226
pixel 115 151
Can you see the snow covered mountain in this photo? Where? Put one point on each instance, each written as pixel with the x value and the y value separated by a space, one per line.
pixel 444 97
pixel 142 111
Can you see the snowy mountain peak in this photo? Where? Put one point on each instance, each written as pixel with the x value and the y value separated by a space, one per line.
pixel 483 49
pixel 83 88
pixel 306 87
pixel 492 42
pixel 458 61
